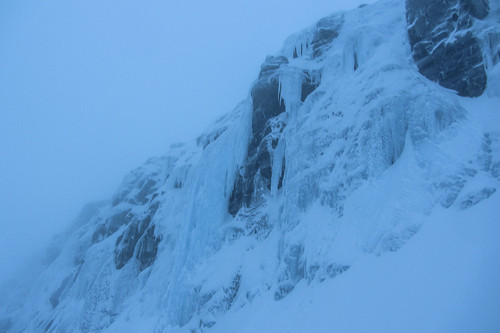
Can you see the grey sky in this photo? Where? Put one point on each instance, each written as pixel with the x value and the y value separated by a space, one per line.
pixel 90 89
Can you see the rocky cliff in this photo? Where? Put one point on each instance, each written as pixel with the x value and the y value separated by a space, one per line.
pixel 345 146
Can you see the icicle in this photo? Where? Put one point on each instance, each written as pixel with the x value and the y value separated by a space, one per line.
pixel 290 88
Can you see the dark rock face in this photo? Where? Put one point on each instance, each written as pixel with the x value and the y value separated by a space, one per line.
pixel 268 124
pixel 266 96
pixel 266 129
pixel 443 47
pixel 112 225
pixel 147 247
pixel 268 121
pixel 477 8
pixel 139 239
pixel 327 30
pixel 132 211
pixel 494 45
pixel 311 81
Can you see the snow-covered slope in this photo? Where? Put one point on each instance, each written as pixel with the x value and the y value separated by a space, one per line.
pixel 348 192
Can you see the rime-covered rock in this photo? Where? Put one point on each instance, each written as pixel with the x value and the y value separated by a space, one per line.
pixel 444 47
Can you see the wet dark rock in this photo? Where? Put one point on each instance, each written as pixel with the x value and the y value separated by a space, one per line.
pixel 138 238
pixel 239 196
pixel 443 48
pixel 126 243
pixel 146 189
pixel 327 29
pixel 477 8
pixel 494 46
pixel 265 97
pixel 271 65
pixel 266 130
pixel 147 248
pixel 282 176
pixel 257 172
pixel 310 82
pixel 111 225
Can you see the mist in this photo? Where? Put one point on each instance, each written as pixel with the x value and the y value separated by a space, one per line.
pixel 90 89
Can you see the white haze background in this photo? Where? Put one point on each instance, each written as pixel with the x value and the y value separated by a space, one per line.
pixel 91 89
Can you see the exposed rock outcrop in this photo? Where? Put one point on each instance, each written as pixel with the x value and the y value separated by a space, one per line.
pixel 444 46
pixel 267 125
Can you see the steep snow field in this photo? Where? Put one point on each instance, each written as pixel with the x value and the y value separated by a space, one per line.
pixel 348 192
pixel 445 278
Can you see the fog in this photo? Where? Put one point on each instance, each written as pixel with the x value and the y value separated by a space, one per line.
pixel 91 89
